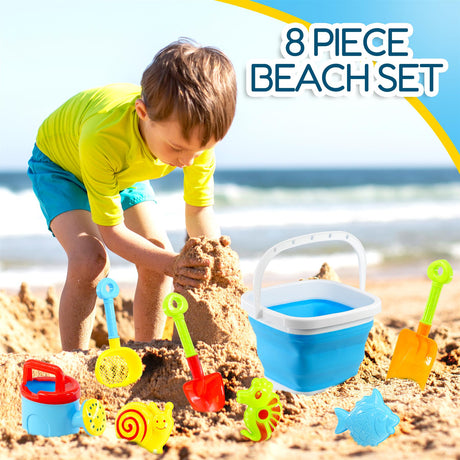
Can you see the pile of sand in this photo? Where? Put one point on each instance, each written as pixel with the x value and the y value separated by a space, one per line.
pixel 215 314
pixel 31 324
pixel 429 426
pixel 28 324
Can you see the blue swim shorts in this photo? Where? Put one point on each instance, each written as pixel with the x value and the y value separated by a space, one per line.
pixel 60 191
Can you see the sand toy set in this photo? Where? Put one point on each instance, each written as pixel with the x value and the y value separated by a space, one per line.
pixel 311 334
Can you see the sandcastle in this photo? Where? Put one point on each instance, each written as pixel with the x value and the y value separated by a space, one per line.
pixel 215 314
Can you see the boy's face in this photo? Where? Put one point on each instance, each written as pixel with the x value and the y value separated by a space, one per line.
pixel 166 142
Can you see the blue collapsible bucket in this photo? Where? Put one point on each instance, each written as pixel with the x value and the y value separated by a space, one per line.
pixel 310 334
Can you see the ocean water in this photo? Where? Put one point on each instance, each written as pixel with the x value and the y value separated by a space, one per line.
pixel 405 218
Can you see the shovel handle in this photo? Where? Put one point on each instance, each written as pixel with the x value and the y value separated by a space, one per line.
pixel 107 289
pixel 440 272
pixel 195 367
pixel 177 314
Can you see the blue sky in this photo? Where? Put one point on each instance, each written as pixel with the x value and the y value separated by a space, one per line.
pixel 51 49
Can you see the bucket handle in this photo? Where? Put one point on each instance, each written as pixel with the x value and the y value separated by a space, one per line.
pixel 303 240
pixel 33 364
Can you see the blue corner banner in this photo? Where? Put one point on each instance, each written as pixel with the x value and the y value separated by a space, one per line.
pixel 436 35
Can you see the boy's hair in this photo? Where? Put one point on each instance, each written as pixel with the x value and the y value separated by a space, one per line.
pixel 197 84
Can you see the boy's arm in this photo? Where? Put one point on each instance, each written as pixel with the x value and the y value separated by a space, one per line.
pixel 142 252
pixel 200 221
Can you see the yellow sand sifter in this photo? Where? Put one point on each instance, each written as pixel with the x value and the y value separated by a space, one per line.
pixel 118 366
pixel 415 353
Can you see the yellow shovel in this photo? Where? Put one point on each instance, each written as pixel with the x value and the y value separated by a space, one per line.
pixel 118 366
pixel 415 353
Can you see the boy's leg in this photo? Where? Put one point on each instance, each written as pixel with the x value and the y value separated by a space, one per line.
pixel 87 265
pixel 152 287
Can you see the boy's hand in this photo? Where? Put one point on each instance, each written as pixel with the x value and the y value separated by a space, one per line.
pixel 189 272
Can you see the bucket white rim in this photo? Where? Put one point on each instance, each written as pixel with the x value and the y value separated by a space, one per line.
pixel 316 324
pixel 303 240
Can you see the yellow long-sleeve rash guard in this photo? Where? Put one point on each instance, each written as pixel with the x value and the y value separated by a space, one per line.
pixel 95 136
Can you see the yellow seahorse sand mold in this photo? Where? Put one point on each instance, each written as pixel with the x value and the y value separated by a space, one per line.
pixel 263 412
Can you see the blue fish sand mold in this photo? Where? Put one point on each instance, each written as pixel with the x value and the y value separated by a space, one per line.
pixel 370 422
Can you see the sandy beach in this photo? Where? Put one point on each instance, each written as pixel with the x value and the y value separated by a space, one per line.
pixel 429 426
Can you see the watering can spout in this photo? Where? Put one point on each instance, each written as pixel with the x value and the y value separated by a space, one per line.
pixel 77 420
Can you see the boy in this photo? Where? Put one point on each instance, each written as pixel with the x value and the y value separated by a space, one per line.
pixel 90 169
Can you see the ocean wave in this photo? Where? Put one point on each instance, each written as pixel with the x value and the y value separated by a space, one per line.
pixel 20 213
pixel 240 195
pixel 335 215
pixel 398 224
pixel 245 207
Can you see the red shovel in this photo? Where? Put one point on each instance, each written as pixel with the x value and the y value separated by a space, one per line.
pixel 205 393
